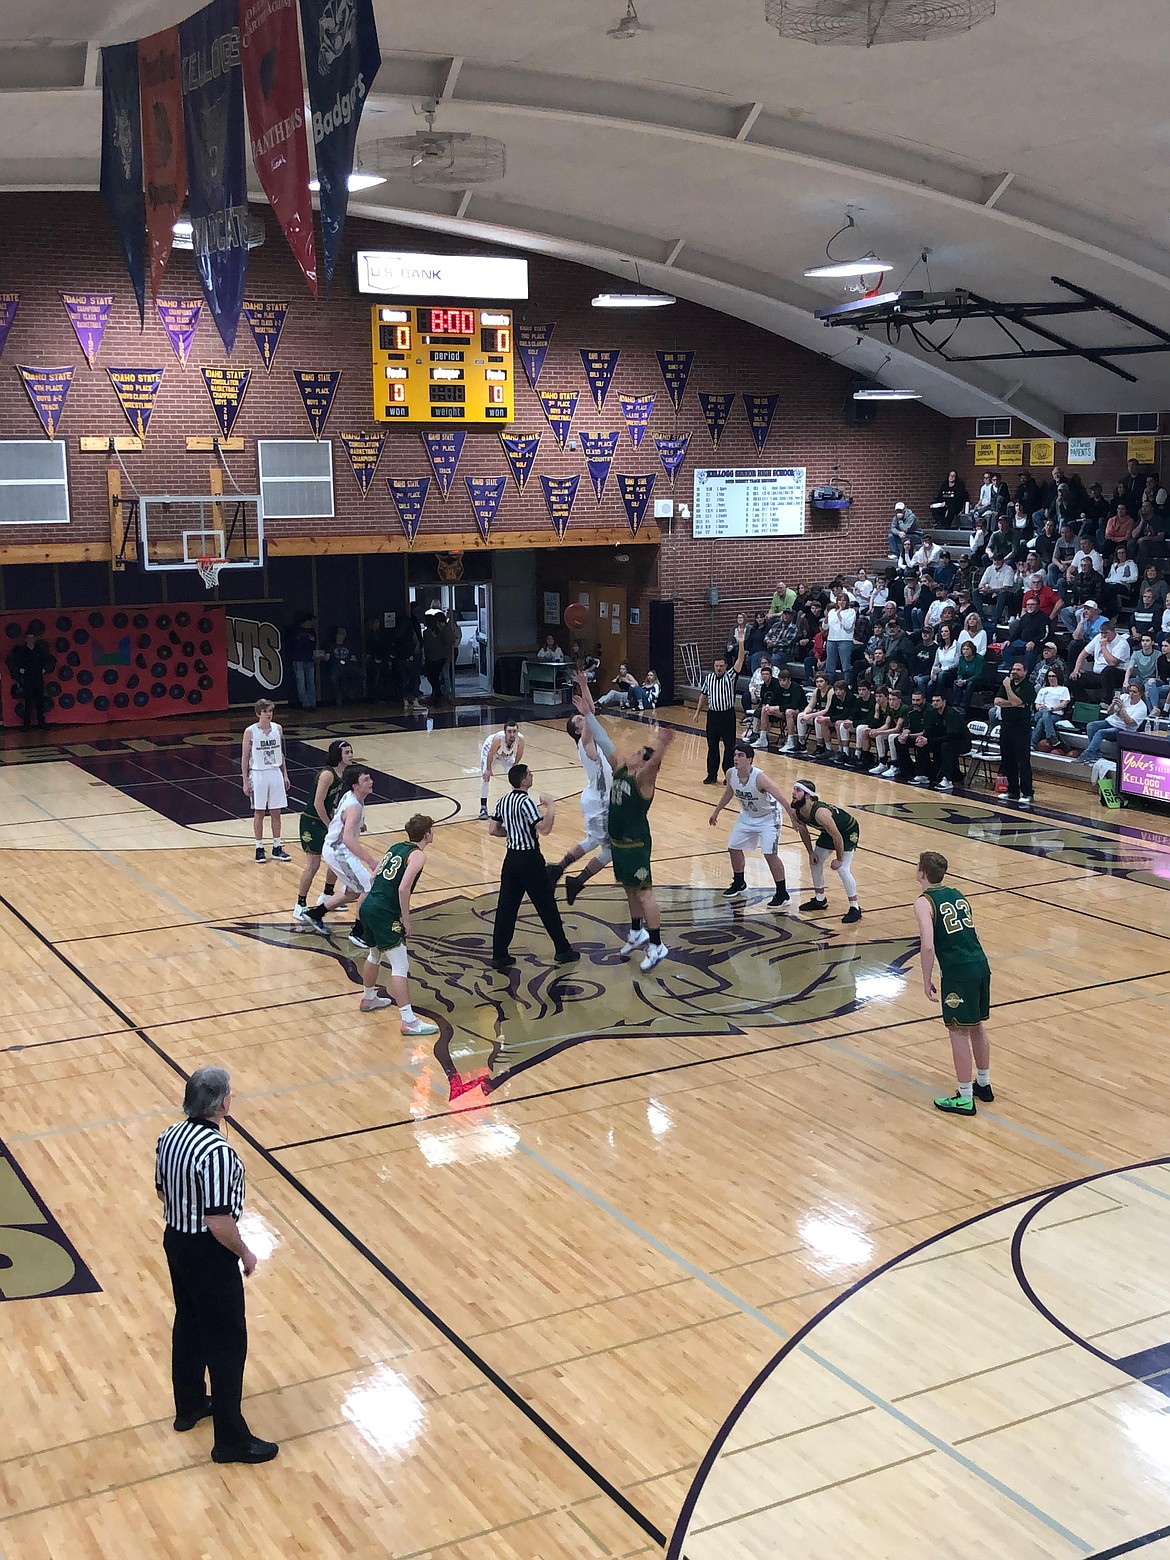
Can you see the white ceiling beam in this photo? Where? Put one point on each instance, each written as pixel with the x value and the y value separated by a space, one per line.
pixel 450 78
pixel 675 250
pixel 996 187
pixel 93 55
pixel 749 119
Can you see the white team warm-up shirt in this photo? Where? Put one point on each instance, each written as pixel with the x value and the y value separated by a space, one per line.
pixel 334 832
pixel 505 756
pixel 267 747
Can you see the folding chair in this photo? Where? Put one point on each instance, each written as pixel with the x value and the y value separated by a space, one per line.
pixel 984 750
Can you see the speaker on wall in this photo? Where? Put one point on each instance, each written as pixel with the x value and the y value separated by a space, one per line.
pixel 661 625
pixel 858 412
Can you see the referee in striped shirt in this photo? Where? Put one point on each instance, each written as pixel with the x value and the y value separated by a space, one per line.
pixel 200 1181
pixel 519 820
pixel 719 696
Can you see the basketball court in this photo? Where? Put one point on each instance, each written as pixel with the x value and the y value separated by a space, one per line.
pixel 618 1265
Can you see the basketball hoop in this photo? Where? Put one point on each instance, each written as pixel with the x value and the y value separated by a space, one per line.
pixel 209 570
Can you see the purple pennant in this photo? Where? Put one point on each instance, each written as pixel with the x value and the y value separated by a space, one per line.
pixel 559 495
pixel 532 343
pixel 672 453
pixel 137 390
pixel 48 390
pixel 266 322
pixel 521 453
pixel 637 410
pixel 89 314
pixel 560 407
pixel 599 450
pixel 317 387
pixel 364 451
pixel 599 369
pixel 444 446
pixel 226 388
pixel 486 495
pixel 9 303
pixel 635 492
pixel 410 498
pixel 760 409
pixel 716 412
pixel 180 320
pixel 675 368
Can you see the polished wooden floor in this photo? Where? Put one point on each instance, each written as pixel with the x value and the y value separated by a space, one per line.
pixel 623 1264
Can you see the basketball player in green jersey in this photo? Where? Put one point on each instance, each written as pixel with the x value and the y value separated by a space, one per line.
pixel 385 915
pixel 838 837
pixel 315 819
pixel 630 794
pixel 947 931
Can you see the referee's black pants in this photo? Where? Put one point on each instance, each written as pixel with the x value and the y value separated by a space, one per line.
pixel 525 872
pixel 720 729
pixel 210 1335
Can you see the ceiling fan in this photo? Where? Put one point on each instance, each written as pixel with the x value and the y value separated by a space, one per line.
pixel 628 26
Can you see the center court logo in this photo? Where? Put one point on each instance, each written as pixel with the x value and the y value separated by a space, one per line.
pixel 726 972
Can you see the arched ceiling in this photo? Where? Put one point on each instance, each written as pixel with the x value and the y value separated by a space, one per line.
pixel 718 158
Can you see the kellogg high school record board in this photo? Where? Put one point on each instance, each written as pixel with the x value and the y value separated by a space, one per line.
pixel 750 501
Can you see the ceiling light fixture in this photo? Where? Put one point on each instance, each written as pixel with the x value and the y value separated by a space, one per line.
pixel 880 393
pixel 359 179
pixel 633 300
pixel 864 23
pixel 867 264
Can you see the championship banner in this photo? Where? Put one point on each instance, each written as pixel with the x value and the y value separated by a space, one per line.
pixel 716 413
pixel 266 322
pixel 760 410
pixel 213 121
pixel 636 493
pixel 599 369
pixel 532 343
pixel 48 390
pixel 486 495
pixel 560 493
pixel 521 453
pixel 342 56
pixel 637 410
pixel 560 407
pixel 164 150
pixel 227 388
pixel 317 387
pixel 599 450
pixel 409 499
pixel 675 368
pixel 9 303
pixel 180 320
pixel 274 95
pixel 121 177
pixel 444 447
pixel 364 451
pixel 89 314
pixel 137 390
pixel 672 453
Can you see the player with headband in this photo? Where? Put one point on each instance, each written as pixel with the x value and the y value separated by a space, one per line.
pixel 838 837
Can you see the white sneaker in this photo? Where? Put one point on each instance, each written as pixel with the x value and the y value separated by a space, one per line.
pixel 945 785
pixel 634 940
pixel 920 780
pixel 760 744
pixel 1025 801
pixel 878 769
pixel 300 912
pixel 420 1027
pixel 372 1004
pixel 890 772
pixel 322 899
pixel 654 955
pixel 789 746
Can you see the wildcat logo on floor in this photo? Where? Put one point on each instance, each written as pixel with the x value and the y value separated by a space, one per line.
pixel 726 972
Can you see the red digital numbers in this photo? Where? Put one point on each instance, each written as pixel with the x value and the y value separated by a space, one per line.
pixel 451 322
pixel 495 395
pixel 503 340
pixel 402 338
pixel 397 391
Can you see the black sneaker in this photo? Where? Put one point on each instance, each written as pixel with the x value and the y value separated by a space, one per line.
pixel 711 780
pixel 983 1091
pixel 260 856
pixel 483 812
pixel 779 898
pixel 852 914
pixel 254 1451
pixel 573 886
pixel 738 889
pixel 570 956
pixel 815 904
pixel 185 1422
pixel 280 854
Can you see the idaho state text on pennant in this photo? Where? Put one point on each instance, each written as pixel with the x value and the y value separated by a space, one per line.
pixel 180 320
pixel 317 387
pixel 599 366
pixel 89 314
pixel 760 410
pixel 637 411
pixel 636 492
pixel 266 322
pixel 560 493
pixel 364 451
pixel 675 368
pixel 599 450
pixel 672 453
pixel 532 343
pixel 716 413
pixel 137 390
pixel 226 389
pixel 410 497
pixel 444 446
pixel 486 495
pixel 48 390
pixel 9 303
pixel 560 407
pixel 521 453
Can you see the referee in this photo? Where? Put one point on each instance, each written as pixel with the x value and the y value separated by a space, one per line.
pixel 200 1181
pixel 518 820
pixel 719 696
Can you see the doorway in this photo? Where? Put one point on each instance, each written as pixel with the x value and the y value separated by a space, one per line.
pixel 471 664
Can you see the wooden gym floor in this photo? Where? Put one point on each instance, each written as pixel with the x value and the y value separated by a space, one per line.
pixel 621 1264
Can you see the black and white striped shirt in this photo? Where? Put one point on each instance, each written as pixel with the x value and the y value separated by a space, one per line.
pixel 519 815
pixel 720 691
pixel 197 1172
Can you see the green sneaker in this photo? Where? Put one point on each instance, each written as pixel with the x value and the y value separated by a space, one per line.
pixel 955 1105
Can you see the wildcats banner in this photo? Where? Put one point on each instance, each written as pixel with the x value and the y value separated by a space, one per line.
pixel 521 453
pixel 317 387
pixel 760 409
pixel 164 151
pixel 364 451
pixel 599 369
pixel 532 343
pixel 227 388
pixel 48 390
pixel 180 320
pixel 9 303
pixel 675 368
pixel 121 179
pixel 636 493
pixel 560 407
pixel 672 453
pixel 486 495
pixel 213 121
pixel 560 494
pixel 599 450
pixel 342 56
pixel 266 322
pixel 137 390
pixel 89 314
pixel 716 413
pixel 274 94
pixel 444 448
pixel 409 500
pixel 637 410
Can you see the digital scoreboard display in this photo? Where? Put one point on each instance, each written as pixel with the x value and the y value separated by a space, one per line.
pixel 1143 767
pixel 442 365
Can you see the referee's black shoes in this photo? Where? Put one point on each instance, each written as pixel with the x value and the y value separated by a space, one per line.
pixel 189 1421
pixel 253 1451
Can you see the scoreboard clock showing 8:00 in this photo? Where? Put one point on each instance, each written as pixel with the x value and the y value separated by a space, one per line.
pixel 446 366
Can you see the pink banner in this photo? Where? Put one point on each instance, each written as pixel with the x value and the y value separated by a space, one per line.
pixel 164 151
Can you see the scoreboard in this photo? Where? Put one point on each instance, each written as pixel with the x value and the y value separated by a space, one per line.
pixel 443 366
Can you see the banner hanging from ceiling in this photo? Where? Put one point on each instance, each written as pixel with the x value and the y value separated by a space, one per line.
pixel 164 150
pixel 121 176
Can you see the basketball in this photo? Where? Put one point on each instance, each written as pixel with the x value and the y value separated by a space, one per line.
pixel 576 617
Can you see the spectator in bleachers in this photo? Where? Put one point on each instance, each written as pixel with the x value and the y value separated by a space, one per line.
pixel 1121 581
pixel 920 660
pixel 1045 539
pixel 941 603
pixel 903 527
pixel 841 619
pixel 1096 504
pixel 1052 699
pixel 550 651
pixel 756 640
pixel 946 570
pixel 1150 538
pixel 1152 576
pixel 1084 584
pixel 926 556
pixel 907 553
pixel 1143 666
pixel 996 590
pixel 974 631
pixel 780 638
pixel 1119 527
pixel 1100 667
pixel 968 673
pixel 1133 485
pixel 783 600
pixel 750 697
pixel 1127 712
pixel 878 668
pixel 1050 661
pixel 739 627
pixel 1158 686
pixel 1026 635
pixel 1027 493
pixel 1144 618
pixel 1086 547
pixel 898 678
pixel 952 501
pixel 1062 555
pixel 862 590
pixel 809 632
pixel 945 664
pixel 1090 620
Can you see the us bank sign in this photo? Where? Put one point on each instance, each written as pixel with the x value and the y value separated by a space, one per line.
pixel 387 273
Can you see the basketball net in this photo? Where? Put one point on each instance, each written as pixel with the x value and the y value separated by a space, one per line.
pixel 209 570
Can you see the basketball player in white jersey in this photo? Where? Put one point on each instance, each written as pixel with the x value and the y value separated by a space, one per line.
pixel 343 854
pixel 265 777
pixel 595 752
pixel 497 755
pixel 758 824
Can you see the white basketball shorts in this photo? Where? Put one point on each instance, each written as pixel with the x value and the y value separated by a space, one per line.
pixel 352 872
pixel 754 834
pixel 268 790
